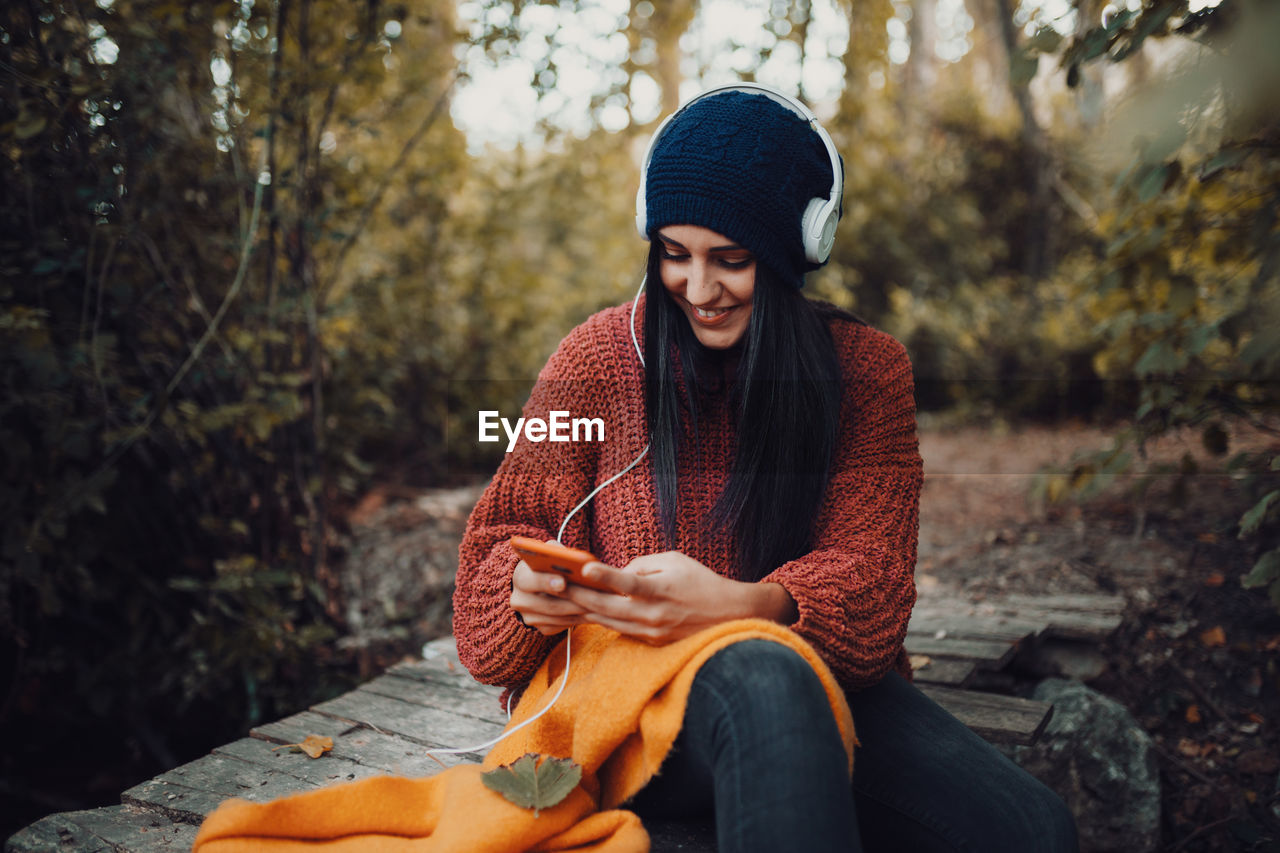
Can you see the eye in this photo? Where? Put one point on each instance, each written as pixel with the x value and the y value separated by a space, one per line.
pixel 668 255
pixel 736 264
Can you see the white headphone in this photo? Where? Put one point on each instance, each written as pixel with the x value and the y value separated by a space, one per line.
pixel 818 225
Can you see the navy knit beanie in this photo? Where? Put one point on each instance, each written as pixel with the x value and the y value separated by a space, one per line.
pixel 744 166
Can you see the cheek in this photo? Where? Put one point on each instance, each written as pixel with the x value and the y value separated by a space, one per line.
pixel 670 278
pixel 744 288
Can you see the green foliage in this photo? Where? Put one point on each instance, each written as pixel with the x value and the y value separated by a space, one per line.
pixel 175 432
pixel 935 247
pixel 1262 521
pixel 1184 299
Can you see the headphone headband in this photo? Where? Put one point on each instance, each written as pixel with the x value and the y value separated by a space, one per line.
pixel 818 223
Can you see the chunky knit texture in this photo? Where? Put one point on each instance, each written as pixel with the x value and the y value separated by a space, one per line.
pixel 745 167
pixel 854 590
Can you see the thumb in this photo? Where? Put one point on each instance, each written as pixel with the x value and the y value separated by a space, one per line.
pixel 622 583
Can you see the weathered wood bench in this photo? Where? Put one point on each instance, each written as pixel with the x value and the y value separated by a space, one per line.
pixel 386 726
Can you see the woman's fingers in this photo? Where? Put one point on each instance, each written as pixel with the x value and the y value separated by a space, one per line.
pixel 618 582
pixel 525 579
pixel 538 597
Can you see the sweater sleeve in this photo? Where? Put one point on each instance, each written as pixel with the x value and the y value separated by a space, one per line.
pixel 535 487
pixel 854 591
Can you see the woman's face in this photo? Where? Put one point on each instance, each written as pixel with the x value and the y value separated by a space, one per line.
pixel 712 279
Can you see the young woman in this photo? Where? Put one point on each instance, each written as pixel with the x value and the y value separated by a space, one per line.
pixel 778 477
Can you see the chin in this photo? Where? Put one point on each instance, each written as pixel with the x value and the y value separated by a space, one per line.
pixel 719 340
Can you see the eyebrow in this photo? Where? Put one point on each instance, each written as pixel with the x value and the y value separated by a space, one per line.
pixel 732 247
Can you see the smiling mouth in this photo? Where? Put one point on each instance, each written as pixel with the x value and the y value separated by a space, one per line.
pixel 710 313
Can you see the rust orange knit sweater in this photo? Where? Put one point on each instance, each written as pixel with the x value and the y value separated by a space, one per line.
pixel 854 591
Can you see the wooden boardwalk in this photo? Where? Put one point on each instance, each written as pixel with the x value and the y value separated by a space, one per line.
pixel 387 724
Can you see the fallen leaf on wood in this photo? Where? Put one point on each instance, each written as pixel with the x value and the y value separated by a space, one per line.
pixel 1214 637
pixel 313 745
pixel 919 662
pixel 534 784
pixel 1193 713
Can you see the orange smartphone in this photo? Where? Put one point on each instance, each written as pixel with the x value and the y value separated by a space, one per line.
pixel 556 559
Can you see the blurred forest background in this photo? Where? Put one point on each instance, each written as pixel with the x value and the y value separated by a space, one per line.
pixel 249 265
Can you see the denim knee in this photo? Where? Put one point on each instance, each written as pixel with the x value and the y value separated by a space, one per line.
pixel 1048 824
pixel 763 678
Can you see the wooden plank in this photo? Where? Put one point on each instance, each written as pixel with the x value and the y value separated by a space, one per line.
pixel 231 777
pixel 474 700
pixel 376 750
pixel 413 722
pixel 442 647
pixel 990 654
pixel 1091 627
pixel 55 832
pixel 1075 602
pixel 962 622
pixel 952 672
pixel 328 769
pixel 135 830
pixel 176 802
pixel 1071 621
pixel 1000 719
pixel 106 829
pixel 189 792
pixel 295 727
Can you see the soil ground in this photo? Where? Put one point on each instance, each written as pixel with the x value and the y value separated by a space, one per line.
pixel 1196 658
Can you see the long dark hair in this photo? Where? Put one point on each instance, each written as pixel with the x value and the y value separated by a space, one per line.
pixel 787 391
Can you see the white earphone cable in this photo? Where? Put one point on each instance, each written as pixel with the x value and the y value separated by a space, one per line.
pixel 568 637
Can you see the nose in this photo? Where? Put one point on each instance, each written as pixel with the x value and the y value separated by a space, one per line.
pixel 702 287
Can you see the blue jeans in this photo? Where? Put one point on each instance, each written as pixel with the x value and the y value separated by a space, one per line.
pixel 760 749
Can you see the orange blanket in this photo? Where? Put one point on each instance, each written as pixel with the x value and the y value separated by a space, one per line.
pixel 618 717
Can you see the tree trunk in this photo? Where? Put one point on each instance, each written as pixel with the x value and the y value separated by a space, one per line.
pixel 921 72
pixel 1035 257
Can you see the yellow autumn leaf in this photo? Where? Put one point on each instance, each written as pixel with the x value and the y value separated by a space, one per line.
pixel 316 745
pixel 1214 637
pixel 313 745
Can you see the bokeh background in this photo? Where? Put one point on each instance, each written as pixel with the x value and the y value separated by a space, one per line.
pixel 256 256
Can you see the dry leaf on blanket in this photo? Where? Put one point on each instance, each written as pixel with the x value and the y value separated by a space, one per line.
pixel 534 784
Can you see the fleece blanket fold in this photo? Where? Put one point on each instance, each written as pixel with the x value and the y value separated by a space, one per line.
pixel 618 717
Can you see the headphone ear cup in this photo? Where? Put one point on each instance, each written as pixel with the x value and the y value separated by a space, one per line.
pixel 818 227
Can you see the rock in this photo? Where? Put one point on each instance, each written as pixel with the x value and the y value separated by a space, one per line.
pixel 401 560
pixel 1068 659
pixel 1102 763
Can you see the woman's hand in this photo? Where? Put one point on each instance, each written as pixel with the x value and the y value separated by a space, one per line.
pixel 664 597
pixel 538 597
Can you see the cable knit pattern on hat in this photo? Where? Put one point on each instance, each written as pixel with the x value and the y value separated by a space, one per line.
pixel 745 167
pixel 854 590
